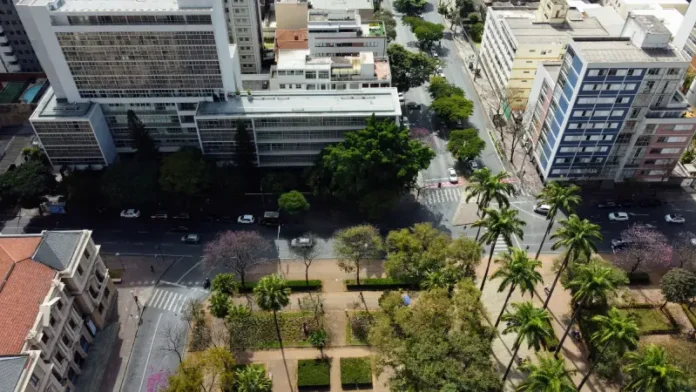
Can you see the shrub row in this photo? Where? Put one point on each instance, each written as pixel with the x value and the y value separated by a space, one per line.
pixel 294 285
pixel 381 284
pixel 690 315
pixel 313 373
pixel 356 372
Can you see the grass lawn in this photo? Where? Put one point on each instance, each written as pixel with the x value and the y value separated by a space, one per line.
pixel 679 351
pixel 263 331
pixel 358 327
pixel 313 373
pixel 356 372
pixel 649 320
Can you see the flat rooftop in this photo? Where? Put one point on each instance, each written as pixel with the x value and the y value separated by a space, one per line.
pixel 106 6
pixel 318 15
pixel 380 101
pixel 341 4
pixel 623 50
pixel 50 107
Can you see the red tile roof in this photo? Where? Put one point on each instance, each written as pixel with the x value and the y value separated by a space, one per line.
pixel 26 283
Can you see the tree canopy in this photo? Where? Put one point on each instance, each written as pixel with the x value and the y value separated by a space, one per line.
pixel 440 87
pixel 143 143
pixel 409 69
pixel 427 33
pixel 465 144
pixel 372 167
pixel 293 202
pixel 130 184
pixel 185 173
pixel 244 150
pixel 27 183
pixel 410 7
pixel 453 109
pixel 679 286
pixel 386 17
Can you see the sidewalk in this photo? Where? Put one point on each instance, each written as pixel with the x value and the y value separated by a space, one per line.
pixel 138 280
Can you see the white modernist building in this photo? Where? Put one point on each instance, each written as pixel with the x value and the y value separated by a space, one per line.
pixel 159 58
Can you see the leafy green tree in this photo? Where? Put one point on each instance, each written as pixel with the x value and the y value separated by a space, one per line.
pixel 443 9
pixel 27 183
pixel 205 372
pixel 35 154
pixel 386 17
pixel 187 378
pixel 412 252
pixel 227 183
pixel 130 184
pixel 465 7
pixel 409 69
pixel 550 375
pixel 237 322
pixel 614 329
pixel 293 203
pixel 516 270
pixel 558 197
pixel 578 237
pixel 465 254
pixel 244 150
pixel 465 144
pixel 83 189
pixel 593 283
pixel 319 339
pixel 272 295
pixel 476 31
pixel 438 343
pixel 410 7
pixel 500 223
pixel 531 324
pixel 219 304
pixel 373 167
pixel 649 370
pixel 474 17
pixel 143 143
pixel 184 173
pixel 427 33
pixel 252 379
pixel 486 188
pixel 355 245
pixel 440 87
pixel 278 183
pixel 679 286
pixel 453 110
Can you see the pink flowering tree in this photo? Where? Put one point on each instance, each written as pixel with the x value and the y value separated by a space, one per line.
pixel 648 249
pixel 157 381
pixel 237 251
pixel 422 135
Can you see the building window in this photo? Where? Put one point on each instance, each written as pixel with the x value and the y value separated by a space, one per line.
pixel 60 357
pixel 282 86
pixel 682 127
pixel 617 113
pixel 298 86
pixel 635 72
pixel 673 71
pixel 654 71
pixel 34 380
pixel 72 324
pixel 80 271
pixel 311 74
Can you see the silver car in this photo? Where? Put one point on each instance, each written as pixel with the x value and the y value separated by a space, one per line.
pixel 302 242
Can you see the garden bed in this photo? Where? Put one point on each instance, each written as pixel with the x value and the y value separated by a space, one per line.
pixel 652 320
pixel 358 327
pixel 262 329
pixel 690 315
pixel 313 374
pixel 356 373
pixel 379 284
pixel 295 286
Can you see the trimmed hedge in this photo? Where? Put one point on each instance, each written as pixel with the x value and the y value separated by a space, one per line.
pixel 379 284
pixel 313 373
pixel 639 279
pixel 356 373
pixel 295 286
pixel 690 315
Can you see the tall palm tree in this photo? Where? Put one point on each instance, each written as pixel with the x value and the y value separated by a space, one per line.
pixel 550 375
pixel 531 324
pixel 558 197
pixel 650 371
pixel 578 237
pixel 614 328
pixel 500 223
pixel 592 285
pixel 516 270
pixel 272 295
pixel 487 187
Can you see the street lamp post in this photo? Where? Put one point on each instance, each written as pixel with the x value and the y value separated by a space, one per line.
pixel 135 298
pixel 118 256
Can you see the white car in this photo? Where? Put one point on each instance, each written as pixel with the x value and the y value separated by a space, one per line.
pixel 674 218
pixel 131 213
pixel 693 241
pixel 618 216
pixel 542 209
pixel 401 98
pixel 453 178
pixel 434 53
pixel 245 219
pixel 301 242
pixel 191 239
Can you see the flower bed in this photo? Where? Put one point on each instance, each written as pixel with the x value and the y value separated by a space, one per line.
pixel 313 373
pixel 356 373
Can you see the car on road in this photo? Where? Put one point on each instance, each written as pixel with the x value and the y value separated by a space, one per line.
pixel 159 215
pixel 473 165
pixel 301 242
pixel 191 239
pixel 413 106
pixel 180 229
pixel 434 53
pixel 130 213
pixel 607 204
pixel 619 243
pixel 618 216
pixel 182 216
pixel 674 218
pixel 542 209
pixel 452 174
pixel 402 99
pixel 245 219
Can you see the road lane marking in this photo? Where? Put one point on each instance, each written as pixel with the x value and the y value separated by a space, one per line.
pixel 189 270
pixel 149 353
pixel 155 298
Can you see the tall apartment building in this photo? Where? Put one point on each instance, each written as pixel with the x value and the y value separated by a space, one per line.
pixel 54 299
pixel 342 33
pixel 624 7
pixel 612 109
pixel 244 29
pixel 516 39
pixel 16 52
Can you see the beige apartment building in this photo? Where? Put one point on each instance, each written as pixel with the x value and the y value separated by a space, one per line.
pixel 54 299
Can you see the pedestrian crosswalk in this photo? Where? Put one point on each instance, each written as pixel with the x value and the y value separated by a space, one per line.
pixel 434 196
pixel 500 246
pixel 167 300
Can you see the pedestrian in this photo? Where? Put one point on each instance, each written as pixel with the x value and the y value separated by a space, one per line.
pixel 152 269
pixel 547 290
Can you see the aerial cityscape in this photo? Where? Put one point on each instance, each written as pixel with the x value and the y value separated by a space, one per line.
pixel 341 195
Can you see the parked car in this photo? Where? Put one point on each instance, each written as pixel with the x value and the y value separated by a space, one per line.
pixel 434 53
pixel 191 239
pixel 413 106
pixel 245 219
pixel 674 218
pixel 402 99
pixel 618 216
pixel 183 216
pixel 130 213
pixel 301 242
pixel 159 215
pixel 619 244
pixel 180 229
pixel 453 178
pixel 542 209
pixel 270 218
pixel 607 204
pixel 473 165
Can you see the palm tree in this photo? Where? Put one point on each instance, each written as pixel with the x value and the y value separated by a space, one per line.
pixel 517 270
pixel 272 295
pixel 578 236
pixel 252 379
pixel 614 328
pixel 592 285
pixel 550 375
pixel 558 197
pixel 486 187
pixel 531 324
pixel 503 223
pixel 650 371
